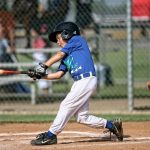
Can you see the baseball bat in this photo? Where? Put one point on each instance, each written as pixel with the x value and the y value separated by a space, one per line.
pixel 7 72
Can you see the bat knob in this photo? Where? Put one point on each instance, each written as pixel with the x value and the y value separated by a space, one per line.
pixel 34 78
pixel 31 74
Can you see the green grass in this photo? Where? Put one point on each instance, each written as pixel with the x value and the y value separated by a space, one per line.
pixel 120 91
pixel 118 62
pixel 141 63
pixel 50 118
pixel 26 118
pixel 113 91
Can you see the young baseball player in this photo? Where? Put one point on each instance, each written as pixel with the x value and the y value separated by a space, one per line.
pixel 75 58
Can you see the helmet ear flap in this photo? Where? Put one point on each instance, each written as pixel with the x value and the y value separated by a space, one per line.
pixel 66 34
pixel 67 30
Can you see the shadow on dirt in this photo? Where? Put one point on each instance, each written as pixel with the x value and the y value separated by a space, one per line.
pixel 93 139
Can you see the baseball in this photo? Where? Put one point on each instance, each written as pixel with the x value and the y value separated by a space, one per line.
pixel 148 85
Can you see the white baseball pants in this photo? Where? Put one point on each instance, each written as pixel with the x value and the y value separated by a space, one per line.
pixel 77 103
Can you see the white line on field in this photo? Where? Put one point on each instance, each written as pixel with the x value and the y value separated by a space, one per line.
pixel 77 134
pixel 79 145
pixel 89 134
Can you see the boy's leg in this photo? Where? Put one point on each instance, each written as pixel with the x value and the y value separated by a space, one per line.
pixel 114 126
pixel 75 99
pixel 83 116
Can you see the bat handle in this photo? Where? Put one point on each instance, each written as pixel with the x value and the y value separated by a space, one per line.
pixel 24 72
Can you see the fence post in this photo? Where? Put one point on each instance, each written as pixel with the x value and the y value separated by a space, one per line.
pixel 33 94
pixel 130 55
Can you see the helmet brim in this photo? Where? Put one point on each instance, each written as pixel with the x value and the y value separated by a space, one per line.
pixel 52 36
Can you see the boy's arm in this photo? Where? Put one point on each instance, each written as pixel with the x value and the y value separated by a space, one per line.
pixel 58 56
pixel 54 76
pixel 40 70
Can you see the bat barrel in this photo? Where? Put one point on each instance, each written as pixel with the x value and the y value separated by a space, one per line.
pixel 6 72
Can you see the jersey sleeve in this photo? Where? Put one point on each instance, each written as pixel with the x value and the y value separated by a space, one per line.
pixel 67 49
pixel 62 67
pixel 73 45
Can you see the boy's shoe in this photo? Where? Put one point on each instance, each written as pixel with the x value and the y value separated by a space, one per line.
pixel 117 129
pixel 43 139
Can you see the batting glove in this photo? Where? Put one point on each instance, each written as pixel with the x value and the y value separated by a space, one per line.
pixel 32 74
pixel 40 70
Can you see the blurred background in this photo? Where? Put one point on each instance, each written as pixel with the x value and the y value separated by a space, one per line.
pixel 118 34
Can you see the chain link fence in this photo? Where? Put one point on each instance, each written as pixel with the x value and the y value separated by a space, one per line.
pixel 26 23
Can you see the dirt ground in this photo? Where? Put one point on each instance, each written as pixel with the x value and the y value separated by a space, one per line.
pixel 111 106
pixel 75 136
pixel 17 136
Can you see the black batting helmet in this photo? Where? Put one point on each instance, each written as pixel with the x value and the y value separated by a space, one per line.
pixel 67 30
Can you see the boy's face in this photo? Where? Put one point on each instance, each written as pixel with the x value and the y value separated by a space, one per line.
pixel 60 41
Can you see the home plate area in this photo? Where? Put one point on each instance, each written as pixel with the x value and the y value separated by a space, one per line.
pixel 70 139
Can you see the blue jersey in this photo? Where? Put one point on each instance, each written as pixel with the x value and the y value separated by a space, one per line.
pixel 78 59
